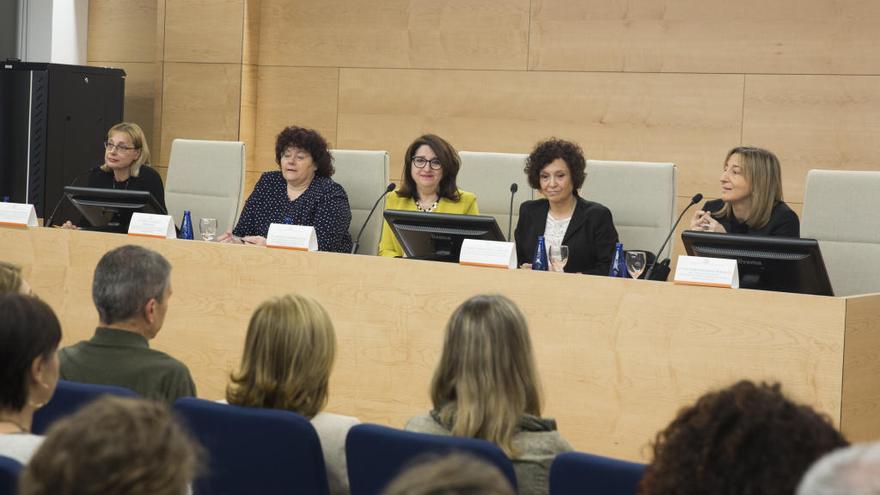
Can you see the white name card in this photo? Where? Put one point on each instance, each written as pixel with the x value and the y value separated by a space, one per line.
pixel 150 225
pixel 494 254
pixel 296 237
pixel 18 215
pixel 713 272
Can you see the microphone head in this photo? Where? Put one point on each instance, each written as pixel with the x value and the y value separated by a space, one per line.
pixel 697 198
pixel 514 187
pixel 390 187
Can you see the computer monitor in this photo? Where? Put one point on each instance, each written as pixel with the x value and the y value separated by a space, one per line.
pixel 438 236
pixel 110 210
pixel 785 264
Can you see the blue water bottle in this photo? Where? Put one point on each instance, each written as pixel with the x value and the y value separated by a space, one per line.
pixel 539 261
pixel 186 227
pixel 618 265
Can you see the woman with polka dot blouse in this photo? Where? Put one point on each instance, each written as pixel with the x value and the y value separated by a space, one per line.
pixel 301 193
pixel 430 167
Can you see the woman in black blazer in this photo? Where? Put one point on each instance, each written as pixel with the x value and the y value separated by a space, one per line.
pixel 557 168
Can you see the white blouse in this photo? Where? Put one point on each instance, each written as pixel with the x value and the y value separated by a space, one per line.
pixel 554 231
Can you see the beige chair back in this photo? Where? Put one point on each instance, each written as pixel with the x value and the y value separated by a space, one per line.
pixel 489 176
pixel 364 175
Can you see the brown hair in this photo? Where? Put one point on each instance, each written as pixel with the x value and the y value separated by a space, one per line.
pixel 486 379
pixel 310 141
pixel 10 278
pixel 762 171
pixel 546 152
pixel 138 140
pixel 450 163
pixel 288 354
pixel 114 445
pixel 452 474
pixel 746 438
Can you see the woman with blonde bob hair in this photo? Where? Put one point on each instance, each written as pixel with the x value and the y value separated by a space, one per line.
pixel 751 198
pixel 288 354
pixel 126 164
pixel 486 386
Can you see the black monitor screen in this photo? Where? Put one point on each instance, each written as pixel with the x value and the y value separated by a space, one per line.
pixel 438 236
pixel 785 264
pixel 110 210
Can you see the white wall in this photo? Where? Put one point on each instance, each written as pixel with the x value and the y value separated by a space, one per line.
pixel 55 31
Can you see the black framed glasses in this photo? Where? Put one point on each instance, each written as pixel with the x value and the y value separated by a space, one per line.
pixel 420 162
pixel 118 147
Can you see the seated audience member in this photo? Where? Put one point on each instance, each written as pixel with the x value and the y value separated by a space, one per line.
pixel 300 193
pixel 430 167
pixel 131 288
pixel 288 354
pixel 114 445
pixel 751 198
pixel 746 438
pixel 29 336
pixel 853 470
pixel 557 168
pixel 11 280
pixel 453 474
pixel 486 386
pixel 126 165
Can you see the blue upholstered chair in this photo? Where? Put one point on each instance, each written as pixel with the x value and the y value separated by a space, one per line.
pixel 9 472
pixel 376 454
pixel 68 398
pixel 577 473
pixel 254 450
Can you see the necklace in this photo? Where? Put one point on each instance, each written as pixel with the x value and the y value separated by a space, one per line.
pixel 126 182
pixel 425 210
pixel 21 429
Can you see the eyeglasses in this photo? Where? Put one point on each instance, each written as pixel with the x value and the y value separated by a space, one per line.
pixel 121 148
pixel 420 162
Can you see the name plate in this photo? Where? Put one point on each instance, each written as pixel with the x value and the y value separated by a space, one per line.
pixel 712 272
pixel 296 237
pixel 493 254
pixel 150 225
pixel 18 215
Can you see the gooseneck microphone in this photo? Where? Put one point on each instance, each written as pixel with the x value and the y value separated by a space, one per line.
pixel 48 223
pixel 354 247
pixel 694 200
pixel 513 189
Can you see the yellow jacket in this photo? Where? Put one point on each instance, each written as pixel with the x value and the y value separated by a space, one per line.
pixel 388 245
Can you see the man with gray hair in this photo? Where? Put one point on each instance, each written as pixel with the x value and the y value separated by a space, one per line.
pixel 130 289
pixel 853 470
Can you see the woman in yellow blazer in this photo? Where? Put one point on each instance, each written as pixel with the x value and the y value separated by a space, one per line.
pixel 429 171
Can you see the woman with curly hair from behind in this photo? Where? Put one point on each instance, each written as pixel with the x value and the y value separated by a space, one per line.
pixel 746 439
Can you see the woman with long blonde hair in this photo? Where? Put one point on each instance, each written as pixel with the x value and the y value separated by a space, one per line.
pixel 288 355
pixel 486 386
pixel 751 198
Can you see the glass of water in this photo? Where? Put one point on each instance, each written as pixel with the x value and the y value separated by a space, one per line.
pixel 208 228
pixel 635 263
pixel 558 257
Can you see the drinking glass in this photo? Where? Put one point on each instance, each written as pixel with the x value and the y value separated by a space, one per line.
pixel 635 263
pixel 208 228
pixel 558 257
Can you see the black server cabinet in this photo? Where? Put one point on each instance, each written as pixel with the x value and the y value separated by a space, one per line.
pixel 53 119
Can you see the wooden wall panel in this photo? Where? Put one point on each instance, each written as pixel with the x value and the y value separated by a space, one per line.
pixel 201 101
pixel 828 122
pixel 122 30
pixel 751 36
pixel 690 120
pixel 247 127
pixel 250 49
pixel 204 31
pixel 472 34
pixel 288 96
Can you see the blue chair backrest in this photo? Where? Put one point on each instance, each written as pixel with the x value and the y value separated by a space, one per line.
pixel 254 450
pixel 577 473
pixel 68 398
pixel 9 471
pixel 377 454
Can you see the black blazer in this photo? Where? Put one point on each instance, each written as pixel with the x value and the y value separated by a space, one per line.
pixel 591 236
pixel 783 221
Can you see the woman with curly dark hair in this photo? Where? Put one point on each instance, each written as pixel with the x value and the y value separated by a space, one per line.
pixel 557 168
pixel 300 193
pixel 744 439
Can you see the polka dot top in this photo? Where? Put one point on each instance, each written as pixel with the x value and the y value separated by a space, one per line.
pixel 324 206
